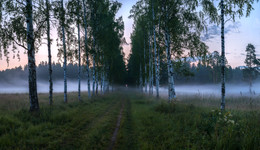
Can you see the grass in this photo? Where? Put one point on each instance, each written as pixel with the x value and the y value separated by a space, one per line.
pixel 76 125
pixel 147 123
pixel 244 103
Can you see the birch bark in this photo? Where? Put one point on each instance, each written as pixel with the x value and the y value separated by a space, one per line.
pixel 86 48
pixel 171 87
pixel 155 57
pixel 223 90
pixel 64 50
pixel 34 105
pixel 49 52
pixel 79 69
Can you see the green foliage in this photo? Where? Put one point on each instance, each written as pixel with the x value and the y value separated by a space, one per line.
pixel 13 27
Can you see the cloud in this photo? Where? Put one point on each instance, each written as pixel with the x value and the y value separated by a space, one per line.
pixel 215 30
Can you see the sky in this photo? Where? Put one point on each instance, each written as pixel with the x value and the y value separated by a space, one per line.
pixel 238 35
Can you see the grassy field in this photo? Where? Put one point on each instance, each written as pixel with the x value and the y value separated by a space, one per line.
pixel 146 123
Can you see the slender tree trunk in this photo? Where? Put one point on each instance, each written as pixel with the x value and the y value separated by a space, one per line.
pixel 79 71
pixel 145 71
pixel 97 74
pixel 223 90
pixel 106 80
pixel 94 67
pixel 97 80
pixel 49 52
pixel 141 79
pixel 86 48
pixel 155 57
pixel 34 105
pixel 159 60
pixel 150 65
pixel 103 76
pixel 101 81
pixel 152 78
pixel 171 86
pixel 65 53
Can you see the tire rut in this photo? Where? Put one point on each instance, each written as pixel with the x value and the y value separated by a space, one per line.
pixel 114 137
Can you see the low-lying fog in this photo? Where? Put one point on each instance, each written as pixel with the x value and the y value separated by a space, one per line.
pixel 43 87
pixel 215 89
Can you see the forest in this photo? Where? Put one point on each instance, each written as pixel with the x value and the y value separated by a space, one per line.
pixel 193 74
pixel 144 100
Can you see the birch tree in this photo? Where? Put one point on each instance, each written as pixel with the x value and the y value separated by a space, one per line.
pixel 86 48
pixel 49 52
pixel 79 52
pixel 228 9
pixel 34 105
pixel 181 27
pixel 155 55
pixel 66 34
pixel 23 26
pixel 64 50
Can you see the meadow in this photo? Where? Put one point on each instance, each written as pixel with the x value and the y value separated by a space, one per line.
pixel 191 122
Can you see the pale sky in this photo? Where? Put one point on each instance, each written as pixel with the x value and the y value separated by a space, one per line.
pixel 239 34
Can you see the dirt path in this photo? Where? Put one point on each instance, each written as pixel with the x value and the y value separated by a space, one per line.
pixel 113 139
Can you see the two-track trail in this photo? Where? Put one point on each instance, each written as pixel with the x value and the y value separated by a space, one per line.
pixel 114 137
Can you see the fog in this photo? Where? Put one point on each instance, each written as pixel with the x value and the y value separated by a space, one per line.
pixel 240 89
pixel 42 87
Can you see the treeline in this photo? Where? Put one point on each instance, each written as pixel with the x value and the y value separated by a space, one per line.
pixel 21 73
pixel 186 73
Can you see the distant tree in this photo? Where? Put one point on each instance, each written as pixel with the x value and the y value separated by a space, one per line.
pixel 250 72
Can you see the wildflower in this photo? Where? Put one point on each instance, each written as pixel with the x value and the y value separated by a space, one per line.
pixel 231 121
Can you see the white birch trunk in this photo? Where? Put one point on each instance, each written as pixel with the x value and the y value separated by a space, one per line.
pixel 86 49
pixel 152 64
pixel 155 57
pixel 79 71
pixel 171 90
pixel 159 61
pixel 223 90
pixel 34 105
pixel 64 50
pixel 49 52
